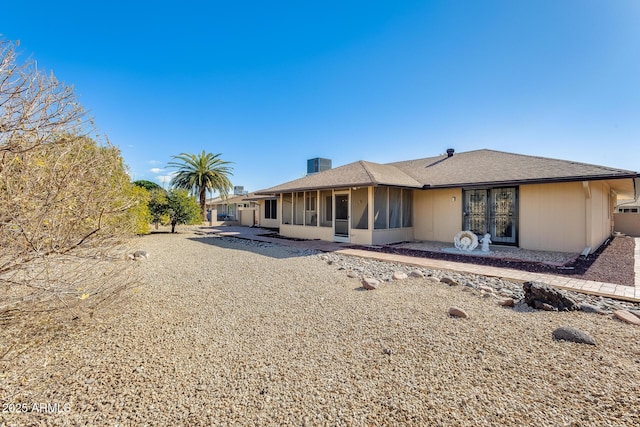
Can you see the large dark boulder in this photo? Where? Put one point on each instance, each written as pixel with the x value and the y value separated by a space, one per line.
pixel 540 295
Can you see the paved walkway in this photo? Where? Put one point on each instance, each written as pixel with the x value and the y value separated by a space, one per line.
pixel 610 290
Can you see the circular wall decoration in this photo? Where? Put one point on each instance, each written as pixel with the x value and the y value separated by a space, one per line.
pixel 466 241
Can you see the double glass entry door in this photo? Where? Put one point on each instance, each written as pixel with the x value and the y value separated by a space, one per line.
pixel 492 211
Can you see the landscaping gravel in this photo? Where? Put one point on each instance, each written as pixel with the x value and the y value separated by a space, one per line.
pixel 612 262
pixel 230 332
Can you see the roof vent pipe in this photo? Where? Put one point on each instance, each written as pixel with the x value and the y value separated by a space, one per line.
pixel 450 152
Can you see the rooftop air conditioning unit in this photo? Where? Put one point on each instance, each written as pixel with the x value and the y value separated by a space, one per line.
pixel 318 165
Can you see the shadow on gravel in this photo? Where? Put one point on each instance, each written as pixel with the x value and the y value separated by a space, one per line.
pixel 268 249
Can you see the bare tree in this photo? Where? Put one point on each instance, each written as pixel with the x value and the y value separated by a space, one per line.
pixel 34 107
pixel 65 200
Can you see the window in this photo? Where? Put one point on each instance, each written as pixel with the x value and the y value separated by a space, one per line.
pixel 380 205
pixel 628 210
pixel 360 208
pixel 310 214
pixel 407 208
pixel 298 208
pixel 395 206
pixel 326 208
pixel 287 205
pixel 271 209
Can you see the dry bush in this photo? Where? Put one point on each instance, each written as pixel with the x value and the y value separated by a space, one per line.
pixel 33 106
pixel 65 201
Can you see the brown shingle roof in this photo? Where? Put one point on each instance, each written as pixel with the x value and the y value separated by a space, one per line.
pixel 496 167
pixel 472 168
pixel 357 174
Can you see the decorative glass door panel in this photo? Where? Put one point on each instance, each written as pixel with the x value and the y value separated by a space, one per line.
pixel 475 211
pixel 502 215
pixel 491 211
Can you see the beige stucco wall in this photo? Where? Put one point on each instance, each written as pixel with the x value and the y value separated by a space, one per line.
pixel 553 217
pixel 627 223
pixel 268 222
pixel 381 237
pixel 600 207
pixel 565 217
pixel 437 216
pixel 359 237
pixel 307 232
pixel 214 216
pixel 247 216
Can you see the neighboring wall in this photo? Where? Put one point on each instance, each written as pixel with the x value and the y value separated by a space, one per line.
pixel 437 216
pixel 247 216
pixel 627 223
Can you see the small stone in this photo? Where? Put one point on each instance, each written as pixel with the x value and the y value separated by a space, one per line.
pixel 487 289
pixel 458 312
pixel 352 274
pixel 574 335
pixel 89 381
pixel 504 292
pixel 387 351
pixel 399 275
pixel 138 255
pixel 449 281
pixel 589 308
pixel 626 316
pixel 370 283
pixel 416 273
pixel 507 302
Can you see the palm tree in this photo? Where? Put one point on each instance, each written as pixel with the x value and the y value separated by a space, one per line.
pixel 201 172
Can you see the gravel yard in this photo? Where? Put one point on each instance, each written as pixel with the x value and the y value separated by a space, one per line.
pixel 229 332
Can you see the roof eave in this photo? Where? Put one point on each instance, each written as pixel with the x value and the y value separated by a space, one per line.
pixel 337 187
pixel 532 181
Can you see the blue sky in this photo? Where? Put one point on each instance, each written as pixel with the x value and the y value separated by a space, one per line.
pixel 272 84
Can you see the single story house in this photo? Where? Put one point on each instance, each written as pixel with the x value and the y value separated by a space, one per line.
pixel 531 202
pixel 227 208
